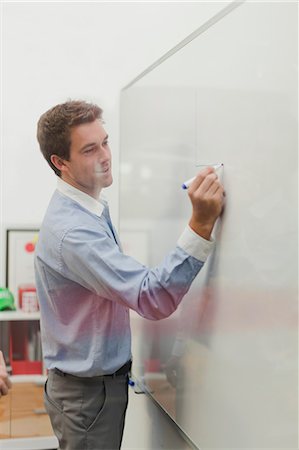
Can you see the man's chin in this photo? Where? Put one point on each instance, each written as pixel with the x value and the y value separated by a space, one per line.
pixel 108 182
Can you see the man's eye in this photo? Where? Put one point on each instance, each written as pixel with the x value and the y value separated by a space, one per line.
pixel 89 150
pixel 105 142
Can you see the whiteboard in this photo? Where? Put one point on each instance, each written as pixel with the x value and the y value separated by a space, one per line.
pixel 225 365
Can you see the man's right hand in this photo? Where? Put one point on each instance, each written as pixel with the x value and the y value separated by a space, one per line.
pixel 207 197
pixel 5 382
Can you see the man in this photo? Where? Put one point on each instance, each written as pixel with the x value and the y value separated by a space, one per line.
pixel 86 285
pixel 5 383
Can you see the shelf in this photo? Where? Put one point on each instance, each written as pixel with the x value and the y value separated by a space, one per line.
pixel 37 379
pixel 18 315
pixel 38 443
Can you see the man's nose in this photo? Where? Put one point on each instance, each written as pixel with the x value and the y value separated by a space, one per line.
pixel 105 154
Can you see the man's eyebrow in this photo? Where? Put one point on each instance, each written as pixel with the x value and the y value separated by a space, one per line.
pixel 92 144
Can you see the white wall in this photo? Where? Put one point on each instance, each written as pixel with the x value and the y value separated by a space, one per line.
pixel 60 50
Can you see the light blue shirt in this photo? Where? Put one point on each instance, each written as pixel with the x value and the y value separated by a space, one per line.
pixel 86 285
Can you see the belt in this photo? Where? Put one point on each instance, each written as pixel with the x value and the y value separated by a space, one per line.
pixel 123 370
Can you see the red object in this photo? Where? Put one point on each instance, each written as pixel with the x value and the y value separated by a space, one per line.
pixel 30 247
pixel 26 367
pixel 152 365
pixel 19 345
pixel 27 298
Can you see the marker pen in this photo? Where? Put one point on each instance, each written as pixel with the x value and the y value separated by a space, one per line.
pixel 187 183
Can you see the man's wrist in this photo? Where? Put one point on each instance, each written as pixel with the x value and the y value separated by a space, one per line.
pixel 195 245
pixel 203 230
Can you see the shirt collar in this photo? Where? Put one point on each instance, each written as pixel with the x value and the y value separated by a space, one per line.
pixel 91 204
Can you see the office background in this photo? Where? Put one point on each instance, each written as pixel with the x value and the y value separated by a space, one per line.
pixel 54 51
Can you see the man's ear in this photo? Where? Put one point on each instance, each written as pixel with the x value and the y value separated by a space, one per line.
pixel 58 162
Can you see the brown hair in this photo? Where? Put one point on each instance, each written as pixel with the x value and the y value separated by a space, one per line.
pixel 54 127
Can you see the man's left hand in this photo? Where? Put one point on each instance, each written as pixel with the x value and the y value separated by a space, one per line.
pixel 5 382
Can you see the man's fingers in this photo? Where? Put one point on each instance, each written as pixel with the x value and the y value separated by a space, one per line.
pixel 200 179
pixel 207 186
pixel 8 383
pixel 214 187
pixel 208 183
pixel 3 388
pixel 5 382
pixel 2 362
pixel 217 188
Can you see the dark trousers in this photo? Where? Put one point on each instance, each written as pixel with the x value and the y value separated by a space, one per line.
pixel 87 413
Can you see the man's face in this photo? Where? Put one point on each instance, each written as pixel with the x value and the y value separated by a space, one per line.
pixel 89 166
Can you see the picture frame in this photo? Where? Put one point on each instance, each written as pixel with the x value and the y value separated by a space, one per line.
pixel 20 246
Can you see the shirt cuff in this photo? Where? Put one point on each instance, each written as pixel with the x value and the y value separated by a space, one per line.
pixel 195 245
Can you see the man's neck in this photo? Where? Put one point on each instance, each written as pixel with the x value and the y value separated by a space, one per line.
pixel 93 193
